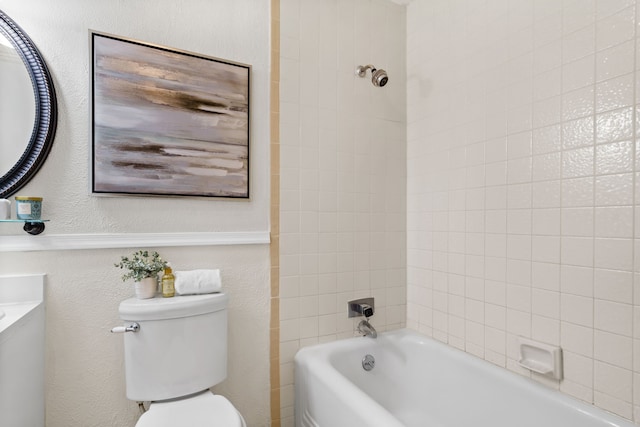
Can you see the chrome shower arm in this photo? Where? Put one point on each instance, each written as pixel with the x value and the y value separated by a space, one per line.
pixel 361 70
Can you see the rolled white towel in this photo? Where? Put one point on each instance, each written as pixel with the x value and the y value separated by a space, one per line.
pixel 197 282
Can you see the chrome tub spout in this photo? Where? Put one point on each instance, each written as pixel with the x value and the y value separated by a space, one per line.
pixel 366 329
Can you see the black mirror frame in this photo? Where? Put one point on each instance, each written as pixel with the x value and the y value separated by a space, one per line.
pixel 46 116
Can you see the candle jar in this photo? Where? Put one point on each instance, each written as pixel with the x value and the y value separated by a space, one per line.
pixel 28 208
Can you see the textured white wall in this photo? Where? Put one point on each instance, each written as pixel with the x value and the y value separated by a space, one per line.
pixel 84 361
pixel 85 384
pixel 342 213
pixel 235 30
pixel 523 185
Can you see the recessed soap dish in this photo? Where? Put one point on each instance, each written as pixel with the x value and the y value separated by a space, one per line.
pixel 542 358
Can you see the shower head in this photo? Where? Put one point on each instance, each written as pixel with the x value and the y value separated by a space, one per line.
pixel 379 77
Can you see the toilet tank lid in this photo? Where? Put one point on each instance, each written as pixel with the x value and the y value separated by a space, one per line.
pixel 160 308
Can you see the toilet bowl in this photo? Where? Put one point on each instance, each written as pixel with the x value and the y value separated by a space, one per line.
pixel 175 350
pixel 201 410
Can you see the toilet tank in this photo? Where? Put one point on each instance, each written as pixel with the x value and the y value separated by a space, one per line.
pixel 180 348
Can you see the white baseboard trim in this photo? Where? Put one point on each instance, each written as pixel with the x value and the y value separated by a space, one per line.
pixel 65 242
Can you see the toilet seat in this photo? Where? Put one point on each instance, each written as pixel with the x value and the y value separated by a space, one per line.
pixel 201 410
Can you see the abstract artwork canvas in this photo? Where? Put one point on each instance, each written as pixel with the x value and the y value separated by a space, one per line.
pixel 167 122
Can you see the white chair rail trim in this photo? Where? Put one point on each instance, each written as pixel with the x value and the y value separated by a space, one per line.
pixel 65 242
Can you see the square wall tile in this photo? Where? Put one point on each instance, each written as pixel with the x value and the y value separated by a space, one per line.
pixel 615 93
pixel 613 285
pixel 579 251
pixel 614 190
pixel 614 221
pixel 615 61
pixel 614 158
pixel 614 317
pixel 578 192
pixel 578 103
pixel 577 339
pixel 615 29
pixel 615 254
pixel 578 133
pixel 576 309
pixel 613 381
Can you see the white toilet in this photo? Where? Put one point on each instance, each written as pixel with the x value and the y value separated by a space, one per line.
pixel 175 349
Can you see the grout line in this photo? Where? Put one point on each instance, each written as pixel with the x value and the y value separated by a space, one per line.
pixel 593 230
pixel 274 330
pixel 531 181
pixel 634 153
pixel 506 207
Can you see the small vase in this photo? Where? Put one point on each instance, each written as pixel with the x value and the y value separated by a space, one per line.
pixel 146 288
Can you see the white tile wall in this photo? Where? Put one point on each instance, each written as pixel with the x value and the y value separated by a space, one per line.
pixel 343 174
pixel 522 185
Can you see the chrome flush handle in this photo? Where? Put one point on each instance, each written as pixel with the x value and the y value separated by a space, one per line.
pixel 133 327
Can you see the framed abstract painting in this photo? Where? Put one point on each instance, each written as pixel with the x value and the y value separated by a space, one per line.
pixel 167 122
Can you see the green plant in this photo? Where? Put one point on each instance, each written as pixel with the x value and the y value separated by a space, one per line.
pixel 141 264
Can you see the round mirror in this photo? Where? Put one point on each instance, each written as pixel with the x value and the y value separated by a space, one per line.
pixel 27 108
pixel 17 106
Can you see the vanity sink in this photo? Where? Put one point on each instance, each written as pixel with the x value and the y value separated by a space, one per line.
pixel 22 350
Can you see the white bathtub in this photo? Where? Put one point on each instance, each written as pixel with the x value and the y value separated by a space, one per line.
pixel 419 382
